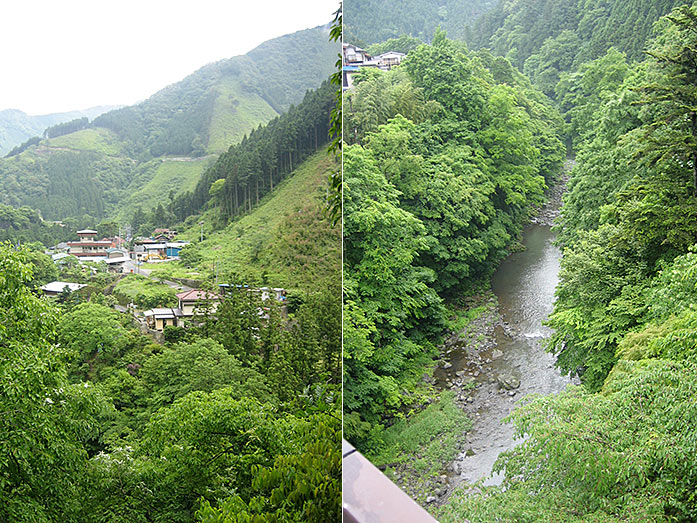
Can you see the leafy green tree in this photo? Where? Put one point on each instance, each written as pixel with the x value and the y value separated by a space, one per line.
pixel 236 324
pixel 671 93
pixel 302 486
pixel 381 243
pixel 44 270
pixel 451 78
pixel 583 92
pixel 208 444
pixel 556 54
pixel 45 420
pixel 94 334
pixel 627 453
pixel 202 365
pixel 403 44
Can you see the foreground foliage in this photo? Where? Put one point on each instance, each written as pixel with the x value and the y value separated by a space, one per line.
pixel 100 424
pixel 627 453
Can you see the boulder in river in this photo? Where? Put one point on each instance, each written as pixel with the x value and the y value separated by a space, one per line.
pixel 508 381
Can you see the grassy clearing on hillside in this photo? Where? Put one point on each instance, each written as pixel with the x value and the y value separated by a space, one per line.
pixel 144 292
pixel 154 186
pixel 172 269
pixel 97 140
pixel 284 242
pixel 235 113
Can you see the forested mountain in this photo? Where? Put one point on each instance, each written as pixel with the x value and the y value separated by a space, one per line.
pixel 249 170
pixel 547 37
pixel 104 167
pixel 446 155
pixel 286 240
pixel 17 127
pixel 373 21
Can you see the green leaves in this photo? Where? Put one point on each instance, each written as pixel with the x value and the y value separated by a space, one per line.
pixel 45 420
pixel 302 485
pixel 628 452
pixel 445 166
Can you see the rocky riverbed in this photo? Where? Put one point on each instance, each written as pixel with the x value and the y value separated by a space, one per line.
pixel 499 357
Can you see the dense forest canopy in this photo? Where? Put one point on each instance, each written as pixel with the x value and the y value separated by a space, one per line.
pixel 445 158
pixel 235 415
pixel 547 37
pixel 374 21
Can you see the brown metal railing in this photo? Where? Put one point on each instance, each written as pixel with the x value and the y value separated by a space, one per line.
pixel 370 497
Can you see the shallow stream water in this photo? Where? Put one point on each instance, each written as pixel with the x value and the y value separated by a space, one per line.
pixel 524 285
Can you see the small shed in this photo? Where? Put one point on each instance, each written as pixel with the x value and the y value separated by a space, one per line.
pixel 160 317
pixel 174 248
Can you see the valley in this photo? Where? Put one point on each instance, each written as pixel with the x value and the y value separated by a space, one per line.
pixel 462 300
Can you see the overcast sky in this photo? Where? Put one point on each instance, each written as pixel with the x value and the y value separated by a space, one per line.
pixel 63 55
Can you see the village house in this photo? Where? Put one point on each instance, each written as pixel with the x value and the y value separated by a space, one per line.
pixel 164 234
pixel 60 257
pixel 116 258
pixel 56 288
pixel 354 54
pixel 146 249
pixel 88 248
pixel 389 59
pixel 161 317
pixel 355 58
pixel 195 300
pixel 191 303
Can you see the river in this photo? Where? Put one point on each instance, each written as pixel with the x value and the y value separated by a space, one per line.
pixel 512 363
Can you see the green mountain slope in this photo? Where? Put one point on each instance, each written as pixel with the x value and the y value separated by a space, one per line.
pixel 16 126
pixel 157 180
pixel 115 164
pixel 567 32
pixel 184 118
pixel 371 21
pixel 230 120
pixel 285 241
